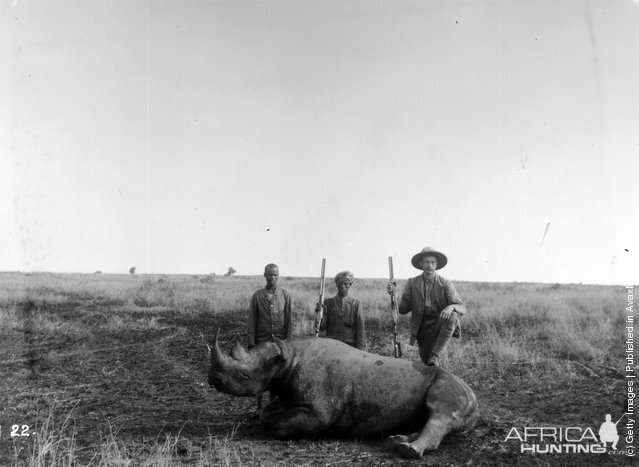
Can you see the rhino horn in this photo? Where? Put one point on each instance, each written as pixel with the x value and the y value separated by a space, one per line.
pixel 217 357
pixel 238 352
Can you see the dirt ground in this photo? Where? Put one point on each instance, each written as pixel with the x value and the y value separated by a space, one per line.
pixel 141 384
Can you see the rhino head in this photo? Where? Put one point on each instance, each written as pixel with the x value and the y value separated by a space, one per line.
pixel 245 373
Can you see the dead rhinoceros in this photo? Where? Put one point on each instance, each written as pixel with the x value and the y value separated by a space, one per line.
pixel 323 385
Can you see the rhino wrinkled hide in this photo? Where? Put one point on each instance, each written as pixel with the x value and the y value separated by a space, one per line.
pixel 323 385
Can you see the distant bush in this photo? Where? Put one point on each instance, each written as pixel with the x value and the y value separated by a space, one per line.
pixel 210 279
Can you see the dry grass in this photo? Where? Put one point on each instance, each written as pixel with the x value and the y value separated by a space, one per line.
pixel 9 317
pixel 54 444
pixel 505 324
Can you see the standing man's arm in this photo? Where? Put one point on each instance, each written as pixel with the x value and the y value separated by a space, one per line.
pixel 288 317
pixel 360 331
pixel 252 322
pixel 405 304
pixel 325 315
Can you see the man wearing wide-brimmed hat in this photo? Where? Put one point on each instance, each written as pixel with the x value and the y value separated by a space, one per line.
pixel 435 306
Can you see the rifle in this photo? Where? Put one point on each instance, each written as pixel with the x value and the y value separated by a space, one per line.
pixel 620 419
pixel 318 315
pixel 397 346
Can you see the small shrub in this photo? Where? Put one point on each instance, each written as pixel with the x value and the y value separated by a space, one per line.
pixel 208 279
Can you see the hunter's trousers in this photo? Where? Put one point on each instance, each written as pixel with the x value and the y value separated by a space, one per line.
pixel 434 334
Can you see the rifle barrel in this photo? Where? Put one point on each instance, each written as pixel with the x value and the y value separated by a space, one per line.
pixel 624 414
pixel 397 348
pixel 318 316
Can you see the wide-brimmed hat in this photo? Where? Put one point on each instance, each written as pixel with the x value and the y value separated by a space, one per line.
pixel 428 251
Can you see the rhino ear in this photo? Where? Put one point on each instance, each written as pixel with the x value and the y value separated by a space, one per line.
pixel 282 346
pixel 275 360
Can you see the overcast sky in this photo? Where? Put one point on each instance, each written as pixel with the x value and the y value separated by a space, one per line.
pixel 190 136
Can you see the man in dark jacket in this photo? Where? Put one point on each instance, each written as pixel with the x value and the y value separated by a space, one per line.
pixel 269 314
pixel 344 318
pixel 270 311
pixel 434 304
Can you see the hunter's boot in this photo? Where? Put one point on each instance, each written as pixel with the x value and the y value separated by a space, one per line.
pixel 446 330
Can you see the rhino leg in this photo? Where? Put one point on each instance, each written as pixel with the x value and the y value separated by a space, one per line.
pixel 452 406
pixel 291 422
pixel 428 439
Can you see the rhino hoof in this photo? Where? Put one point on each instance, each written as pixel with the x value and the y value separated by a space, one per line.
pixel 396 440
pixel 407 450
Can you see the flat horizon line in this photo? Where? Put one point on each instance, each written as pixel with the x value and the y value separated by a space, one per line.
pixel 254 276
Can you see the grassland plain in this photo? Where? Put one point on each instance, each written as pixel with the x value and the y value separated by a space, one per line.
pixel 102 369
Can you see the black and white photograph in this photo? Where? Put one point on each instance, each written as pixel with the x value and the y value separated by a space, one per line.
pixel 319 232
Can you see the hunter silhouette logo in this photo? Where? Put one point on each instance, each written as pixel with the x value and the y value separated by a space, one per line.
pixel 608 432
